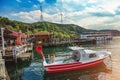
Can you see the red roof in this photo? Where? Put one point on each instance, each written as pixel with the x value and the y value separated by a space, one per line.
pixel 16 34
pixel 43 33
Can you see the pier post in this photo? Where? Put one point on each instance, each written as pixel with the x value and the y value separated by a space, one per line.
pixel 3 46
pixel 0 55
pixel 32 53
pixel 3 71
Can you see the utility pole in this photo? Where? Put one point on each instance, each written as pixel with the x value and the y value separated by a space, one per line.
pixel 61 18
pixel 41 15
pixel 61 14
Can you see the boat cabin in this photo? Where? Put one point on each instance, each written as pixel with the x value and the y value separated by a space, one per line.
pixel 84 54
pixel 77 54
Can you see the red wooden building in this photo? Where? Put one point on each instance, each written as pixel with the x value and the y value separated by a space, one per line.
pixel 13 44
pixel 13 37
pixel 43 37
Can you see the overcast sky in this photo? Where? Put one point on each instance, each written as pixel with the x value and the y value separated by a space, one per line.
pixel 90 14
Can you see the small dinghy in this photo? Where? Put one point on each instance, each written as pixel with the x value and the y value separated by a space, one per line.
pixel 78 58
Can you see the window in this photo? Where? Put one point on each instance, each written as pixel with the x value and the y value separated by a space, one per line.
pixel 92 55
pixel 76 55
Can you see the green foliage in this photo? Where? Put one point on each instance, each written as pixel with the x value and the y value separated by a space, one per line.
pixel 35 30
pixel 63 31
pixel 60 35
pixel 10 27
pixel 29 32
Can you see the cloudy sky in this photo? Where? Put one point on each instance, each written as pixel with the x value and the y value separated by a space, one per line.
pixel 90 14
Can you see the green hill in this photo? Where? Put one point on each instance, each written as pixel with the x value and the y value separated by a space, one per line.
pixel 59 30
pixel 67 30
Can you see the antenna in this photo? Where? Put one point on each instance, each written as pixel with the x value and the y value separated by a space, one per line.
pixel 41 16
pixel 61 18
pixel 61 14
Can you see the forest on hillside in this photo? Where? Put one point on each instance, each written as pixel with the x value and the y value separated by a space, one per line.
pixel 59 30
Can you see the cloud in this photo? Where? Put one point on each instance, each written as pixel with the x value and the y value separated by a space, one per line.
pixel 104 14
pixel 41 1
pixel 117 10
pixel 18 0
pixel 34 16
pixel 91 14
pixel 35 6
pixel 26 17
pixel 101 22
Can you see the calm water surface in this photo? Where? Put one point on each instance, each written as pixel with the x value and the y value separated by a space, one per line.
pixel 108 71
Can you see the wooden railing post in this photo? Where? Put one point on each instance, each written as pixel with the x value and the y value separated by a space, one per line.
pixel 3 45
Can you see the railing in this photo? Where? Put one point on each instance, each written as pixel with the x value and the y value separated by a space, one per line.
pixel 19 50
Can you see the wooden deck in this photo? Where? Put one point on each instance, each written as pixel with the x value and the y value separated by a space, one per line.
pixel 3 71
pixel 25 56
pixel 22 52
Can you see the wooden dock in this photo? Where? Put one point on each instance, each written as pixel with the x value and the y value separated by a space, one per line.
pixel 3 71
pixel 22 52
pixel 25 56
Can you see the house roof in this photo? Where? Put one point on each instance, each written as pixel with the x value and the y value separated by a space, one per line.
pixel 43 33
pixel 10 33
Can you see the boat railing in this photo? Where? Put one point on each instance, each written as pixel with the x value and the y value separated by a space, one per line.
pixel 59 58
pixel 63 54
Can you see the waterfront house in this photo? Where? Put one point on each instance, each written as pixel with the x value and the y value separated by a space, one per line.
pixel 13 44
pixel 13 37
pixel 45 38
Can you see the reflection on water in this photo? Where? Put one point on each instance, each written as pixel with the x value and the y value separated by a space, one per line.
pixel 108 71
pixel 15 70
pixel 34 72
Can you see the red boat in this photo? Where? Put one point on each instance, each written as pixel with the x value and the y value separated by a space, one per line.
pixel 78 58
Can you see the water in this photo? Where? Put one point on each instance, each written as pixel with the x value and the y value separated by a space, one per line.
pixel 35 71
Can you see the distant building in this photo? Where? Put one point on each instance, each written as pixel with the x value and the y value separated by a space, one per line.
pixel 97 35
pixel 43 37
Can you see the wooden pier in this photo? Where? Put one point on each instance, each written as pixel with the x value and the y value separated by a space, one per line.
pixel 25 56
pixel 3 72
pixel 97 36
pixel 21 52
pixel 69 42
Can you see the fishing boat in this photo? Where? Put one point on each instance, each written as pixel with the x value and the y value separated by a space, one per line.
pixel 78 58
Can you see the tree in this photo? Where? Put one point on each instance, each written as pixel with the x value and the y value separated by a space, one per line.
pixel 29 32
pixel 10 27
pixel 60 35
pixel 35 30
